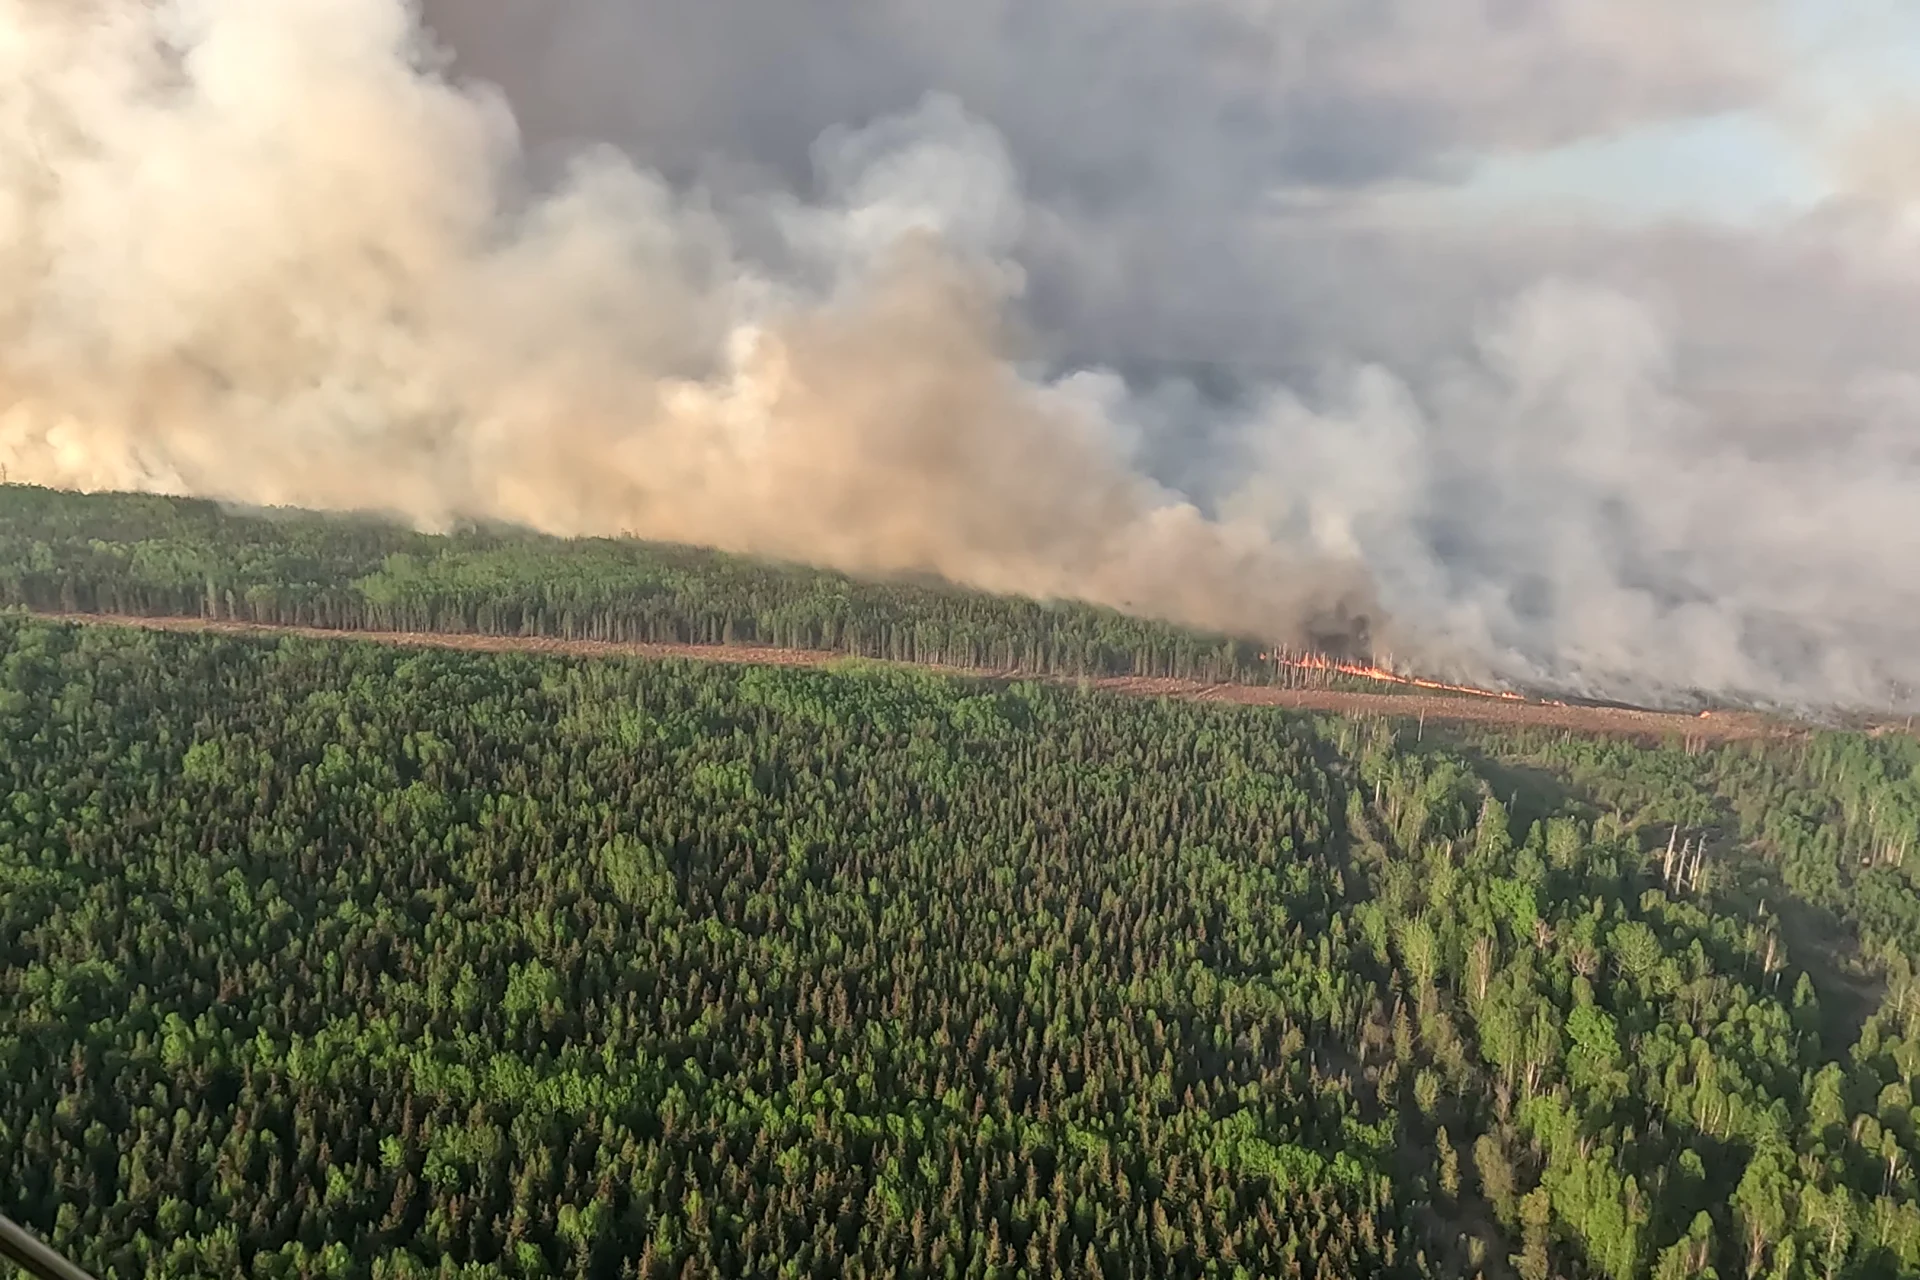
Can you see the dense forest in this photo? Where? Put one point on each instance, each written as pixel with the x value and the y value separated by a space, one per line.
pixel 328 958
pixel 158 556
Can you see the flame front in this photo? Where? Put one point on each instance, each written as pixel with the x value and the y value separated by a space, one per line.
pixel 1327 666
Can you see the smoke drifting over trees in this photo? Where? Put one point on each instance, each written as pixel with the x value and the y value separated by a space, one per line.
pixel 1123 302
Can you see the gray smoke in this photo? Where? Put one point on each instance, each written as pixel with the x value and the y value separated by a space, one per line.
pixel 1129 300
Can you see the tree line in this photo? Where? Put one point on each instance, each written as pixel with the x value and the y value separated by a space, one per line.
pixel 158 556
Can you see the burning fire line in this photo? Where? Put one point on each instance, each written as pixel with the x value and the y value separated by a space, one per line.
pixel 1327 666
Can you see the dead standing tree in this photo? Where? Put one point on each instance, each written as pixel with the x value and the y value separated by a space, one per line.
pixel 1682 866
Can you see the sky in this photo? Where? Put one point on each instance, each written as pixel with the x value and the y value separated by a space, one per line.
pixel 1734 168
pixel 1742 167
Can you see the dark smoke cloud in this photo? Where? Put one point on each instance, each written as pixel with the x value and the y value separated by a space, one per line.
pixel 1113 102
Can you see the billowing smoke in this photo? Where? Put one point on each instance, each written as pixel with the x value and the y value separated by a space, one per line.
pixel 1557 504
pixel 1128 300
pixel 261 251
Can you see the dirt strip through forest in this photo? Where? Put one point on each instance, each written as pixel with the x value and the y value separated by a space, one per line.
pixel 1713 727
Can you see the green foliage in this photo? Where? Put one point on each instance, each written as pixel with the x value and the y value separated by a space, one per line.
pixel 152 556
pixel 636 875
pixel 328 959
pixel 323 958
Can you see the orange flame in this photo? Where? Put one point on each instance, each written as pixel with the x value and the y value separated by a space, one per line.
pixel 1315 662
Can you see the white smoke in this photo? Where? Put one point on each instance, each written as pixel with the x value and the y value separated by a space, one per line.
pixel 270 251
pixel 263 252
pixel 1557 506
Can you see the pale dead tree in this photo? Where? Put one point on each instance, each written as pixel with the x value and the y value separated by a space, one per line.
pixel 1481 967
pixel 1903 998
pixel 1542 934
pixel 1584 960
pixel 1835 1213
pixel 1678 865
pixel 1696 994
pixel 1758 1237
pixel 1690 877
pixel 1666 864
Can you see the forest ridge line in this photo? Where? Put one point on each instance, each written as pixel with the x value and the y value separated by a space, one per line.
pixel 1607 720
pixel 149 556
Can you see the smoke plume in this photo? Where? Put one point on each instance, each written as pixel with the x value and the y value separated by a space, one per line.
pixel 263 252
pixel 1133 301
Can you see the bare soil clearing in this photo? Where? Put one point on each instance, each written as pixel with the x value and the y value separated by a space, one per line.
pixel 1717 727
